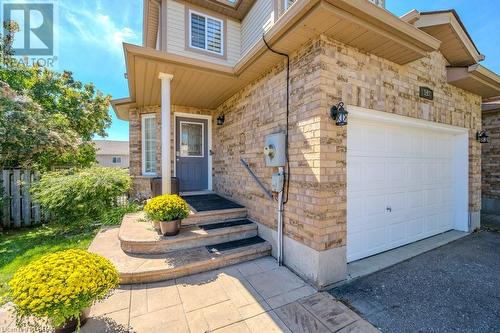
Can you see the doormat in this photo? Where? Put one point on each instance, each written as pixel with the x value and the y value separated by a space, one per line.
pixel 207 202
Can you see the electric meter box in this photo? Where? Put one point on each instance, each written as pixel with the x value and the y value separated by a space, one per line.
pixel 275 150
pixel 277 182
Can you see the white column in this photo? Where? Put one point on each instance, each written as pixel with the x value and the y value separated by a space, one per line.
pixel 166 166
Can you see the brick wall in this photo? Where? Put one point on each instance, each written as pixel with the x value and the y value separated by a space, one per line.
pixel 324 72
pixel 491 156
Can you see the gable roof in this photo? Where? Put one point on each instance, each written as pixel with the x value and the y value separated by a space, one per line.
pixel 457 45
pixel 476 79
pixel 111 147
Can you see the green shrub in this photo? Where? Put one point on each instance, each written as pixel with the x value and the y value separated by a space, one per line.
pixel 167 207
pixel 114 216
pixel 81 194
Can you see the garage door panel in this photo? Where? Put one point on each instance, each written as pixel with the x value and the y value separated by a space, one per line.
pixel 397 173
pixel 415 229
pixel 374 141
pixel 374 204
pixel 397 202
pixel 408 170
pixel 397 234
pixel 398 144
pixel 415 199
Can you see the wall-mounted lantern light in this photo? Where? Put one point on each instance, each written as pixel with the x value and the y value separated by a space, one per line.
pixel 339 114
pixel 220 119
pixel 482 137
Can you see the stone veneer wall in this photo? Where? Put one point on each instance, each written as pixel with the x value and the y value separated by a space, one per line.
pixel 491 162
pixel 324 72
pixel 141 184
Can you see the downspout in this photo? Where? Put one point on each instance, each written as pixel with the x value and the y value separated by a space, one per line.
pixel 282 200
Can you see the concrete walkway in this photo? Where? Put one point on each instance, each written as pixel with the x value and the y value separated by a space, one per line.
pixel 256 296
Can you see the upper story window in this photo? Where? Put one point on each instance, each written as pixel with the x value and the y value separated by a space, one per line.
pixel 116 160
pixel 206 33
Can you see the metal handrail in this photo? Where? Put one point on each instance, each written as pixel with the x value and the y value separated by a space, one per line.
pixel 257 180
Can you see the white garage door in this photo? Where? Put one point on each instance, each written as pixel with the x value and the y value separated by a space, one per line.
pixel 399 186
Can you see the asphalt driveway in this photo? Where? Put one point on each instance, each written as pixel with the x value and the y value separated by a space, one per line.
pixel 455 288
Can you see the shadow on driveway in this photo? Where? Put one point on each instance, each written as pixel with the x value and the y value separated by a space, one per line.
pixel 455 288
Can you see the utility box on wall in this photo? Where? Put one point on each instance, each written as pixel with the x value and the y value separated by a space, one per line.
pixel 275 150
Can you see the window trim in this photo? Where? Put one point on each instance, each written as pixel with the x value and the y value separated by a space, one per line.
pixel 192 48
pixel 143 143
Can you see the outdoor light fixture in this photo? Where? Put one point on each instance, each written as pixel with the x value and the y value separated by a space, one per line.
pixel 482 137
pixel 339 114
pixel 220 119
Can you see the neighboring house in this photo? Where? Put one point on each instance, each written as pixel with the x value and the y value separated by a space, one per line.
pixel 405 167
pixel 490 159
pixel 113 154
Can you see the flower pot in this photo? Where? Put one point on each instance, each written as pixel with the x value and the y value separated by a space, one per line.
pixel 70 325
pixel 170 228
pixel 156 225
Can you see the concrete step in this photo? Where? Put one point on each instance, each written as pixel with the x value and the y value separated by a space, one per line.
pixel 215 216
pixel 137 236
pixel 134 268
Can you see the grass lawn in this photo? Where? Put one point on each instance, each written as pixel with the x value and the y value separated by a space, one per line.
pixel 19 247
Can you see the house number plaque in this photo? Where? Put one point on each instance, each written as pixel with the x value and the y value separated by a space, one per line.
pixel 426 93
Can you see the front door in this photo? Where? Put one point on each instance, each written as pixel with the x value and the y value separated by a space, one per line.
pixel 191 137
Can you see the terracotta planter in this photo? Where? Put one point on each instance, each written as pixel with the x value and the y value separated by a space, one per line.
pixel 170 228
pixel 70 325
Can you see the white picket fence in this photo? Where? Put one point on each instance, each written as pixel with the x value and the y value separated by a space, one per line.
pixel 16 207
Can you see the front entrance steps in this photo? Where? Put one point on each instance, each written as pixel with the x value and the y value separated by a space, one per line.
pixel 138 237
pixel 206 242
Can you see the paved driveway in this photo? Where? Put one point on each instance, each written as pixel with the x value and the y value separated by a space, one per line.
pixel 455 288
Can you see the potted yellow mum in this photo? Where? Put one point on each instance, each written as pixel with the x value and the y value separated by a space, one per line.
pixel 167 210
pixel 58 289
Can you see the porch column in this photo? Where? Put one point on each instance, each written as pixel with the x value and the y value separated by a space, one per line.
pixel 166 166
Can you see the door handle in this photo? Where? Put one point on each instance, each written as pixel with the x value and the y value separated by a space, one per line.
pixel 388 209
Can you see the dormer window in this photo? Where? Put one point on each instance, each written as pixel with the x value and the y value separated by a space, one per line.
pixel 206 33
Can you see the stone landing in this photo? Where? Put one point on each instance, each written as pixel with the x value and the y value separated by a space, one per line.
pixel 208 240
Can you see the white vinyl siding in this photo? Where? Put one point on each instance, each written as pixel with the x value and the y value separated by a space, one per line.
pixel 176 37
pixel 149 144
pixel 255 22
pixel 206 33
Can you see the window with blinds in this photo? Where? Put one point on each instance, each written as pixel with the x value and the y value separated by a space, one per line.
pixel 288 3
pixel 149 144
pixel 205 33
